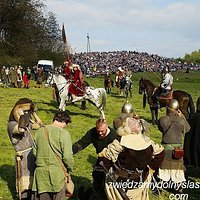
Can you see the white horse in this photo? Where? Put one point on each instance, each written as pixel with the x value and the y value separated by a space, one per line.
pixel 95 96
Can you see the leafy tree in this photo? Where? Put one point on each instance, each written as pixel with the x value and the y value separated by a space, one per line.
pixel 194 57
pixel 28 33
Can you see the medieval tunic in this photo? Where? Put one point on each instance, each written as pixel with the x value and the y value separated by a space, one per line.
pixel 131 156
pixel 173 128
pixel 23 144
pixel 39 76
pixel 167 81
pixel 13 77
pixel 76 87
pixel 49 175
pixel 67 72
pixel 92 137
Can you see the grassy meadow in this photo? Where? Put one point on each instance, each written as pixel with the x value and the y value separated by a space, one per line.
pixel 83 121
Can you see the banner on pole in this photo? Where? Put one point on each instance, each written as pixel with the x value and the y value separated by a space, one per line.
pixel 64 35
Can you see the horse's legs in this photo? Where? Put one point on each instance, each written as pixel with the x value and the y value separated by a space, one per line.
pixel 62 104
pixel 130 91
pixel 109 90
pixel 126 93
pixel 106 88
pixel 83 105
pixel 153 115
pixel 156 114
pixel 121 93
pixel 53 94
pixel 117 90
pixel 102 114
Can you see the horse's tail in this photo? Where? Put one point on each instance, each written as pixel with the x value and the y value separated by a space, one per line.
pixel 144 100
pixel 103 95
pixel 191 105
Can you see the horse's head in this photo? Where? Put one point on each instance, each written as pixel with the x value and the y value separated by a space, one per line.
pixel 142 86
pixel 49 80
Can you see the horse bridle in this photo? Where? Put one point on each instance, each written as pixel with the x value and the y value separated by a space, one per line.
pixel 59 83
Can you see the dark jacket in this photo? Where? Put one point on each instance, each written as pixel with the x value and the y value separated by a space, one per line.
pixel 92 137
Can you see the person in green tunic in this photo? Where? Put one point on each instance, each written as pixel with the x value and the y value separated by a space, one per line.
pixel 100 136
pixel 51 142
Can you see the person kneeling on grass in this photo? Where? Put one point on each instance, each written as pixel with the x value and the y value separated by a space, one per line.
pixel 100 136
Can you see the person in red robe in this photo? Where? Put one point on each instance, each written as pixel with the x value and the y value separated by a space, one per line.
pixel 67 71
pixel 26 80
pixel 77 86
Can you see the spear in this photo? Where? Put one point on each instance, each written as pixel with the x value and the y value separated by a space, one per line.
pixel 65 42
pixel 19 176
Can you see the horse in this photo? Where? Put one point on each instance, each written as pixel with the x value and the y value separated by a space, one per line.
pixel 108 83
pixel 95 96
pixel 56 95
pixel 186 104
pixel 126 86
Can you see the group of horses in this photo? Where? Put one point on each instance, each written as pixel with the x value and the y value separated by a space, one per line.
pixel 97 96
pixel 124 85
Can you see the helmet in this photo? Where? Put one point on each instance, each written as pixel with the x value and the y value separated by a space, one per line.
pixel 173 105
pixel 127 108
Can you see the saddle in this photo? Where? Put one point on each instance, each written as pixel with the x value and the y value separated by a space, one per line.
pixel 160 94
pixel 166 95
pixel 77 91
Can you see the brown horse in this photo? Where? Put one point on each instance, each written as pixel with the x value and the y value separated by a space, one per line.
pixel 186 104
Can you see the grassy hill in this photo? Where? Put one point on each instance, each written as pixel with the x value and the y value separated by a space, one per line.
pixel 83 121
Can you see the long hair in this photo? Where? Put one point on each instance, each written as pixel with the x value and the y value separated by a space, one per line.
pixel 24 104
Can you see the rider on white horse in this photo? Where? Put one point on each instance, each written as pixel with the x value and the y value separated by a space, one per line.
pixel 95 96
pixel 77 86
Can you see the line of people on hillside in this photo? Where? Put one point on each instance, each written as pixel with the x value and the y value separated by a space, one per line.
pixel 15 77
pixel 20 77
pixel 126 154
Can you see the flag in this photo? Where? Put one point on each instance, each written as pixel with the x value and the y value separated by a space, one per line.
pixel 65 42
pixel 64 35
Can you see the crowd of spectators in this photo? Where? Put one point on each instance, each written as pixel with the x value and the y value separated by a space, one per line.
pixel 96 63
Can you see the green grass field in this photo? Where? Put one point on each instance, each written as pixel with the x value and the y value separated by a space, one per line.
pixel 83 121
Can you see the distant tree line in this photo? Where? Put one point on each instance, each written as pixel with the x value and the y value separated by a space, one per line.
pixel 28 33
pixel 194 57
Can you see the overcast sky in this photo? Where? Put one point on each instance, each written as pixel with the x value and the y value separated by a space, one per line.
pixel 169 28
